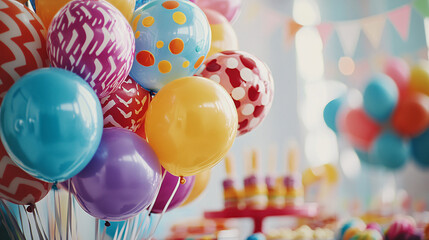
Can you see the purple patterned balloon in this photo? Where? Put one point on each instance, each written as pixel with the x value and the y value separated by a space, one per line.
pixel 93 40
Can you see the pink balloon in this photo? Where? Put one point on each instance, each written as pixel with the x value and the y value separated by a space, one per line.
pixel 249 82
pixel 228 8
pixel 399 71
pixel 94 40
pixel 359 128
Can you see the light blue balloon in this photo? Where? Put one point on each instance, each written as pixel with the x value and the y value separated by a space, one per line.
pixel 420 149
pixel 139 3
pixel 366 158
pixel 256 236
pixel 116 226
pixel 380 97
pixel 171 42
pixel 390 150
pixel 51 123
pixel 330 113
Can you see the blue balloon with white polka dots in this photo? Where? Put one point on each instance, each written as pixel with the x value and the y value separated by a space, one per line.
pixel 172 40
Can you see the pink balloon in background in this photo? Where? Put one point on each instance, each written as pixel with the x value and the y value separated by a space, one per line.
pixel 401 228
pixel 359 128
pixel 399 71
pixel 248 81
pixel 93 40
pixel 228 8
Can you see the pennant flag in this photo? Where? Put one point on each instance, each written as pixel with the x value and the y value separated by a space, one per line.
pixel 373 28
pixel 400 19
pixel 325 31
pixel 293 27
pixel 348 33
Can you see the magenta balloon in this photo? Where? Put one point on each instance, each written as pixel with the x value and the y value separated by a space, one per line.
pixel 122 178
pixel 167 188
pixel 228 8
pixel 94 40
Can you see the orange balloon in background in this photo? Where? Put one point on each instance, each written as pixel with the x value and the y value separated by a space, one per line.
pixel 223 35
pixel 46 9
pixel 411 116
pixel 201 181
pixel 191 124
pixel 419 78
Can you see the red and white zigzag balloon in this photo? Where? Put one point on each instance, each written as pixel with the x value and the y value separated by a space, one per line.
pixel 18 186
pixel 22 43
pixel 127 106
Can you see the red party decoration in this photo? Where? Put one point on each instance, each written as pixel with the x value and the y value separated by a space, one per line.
pixel 411 116
pixel 126 107
pixel 18 186
pixel 249 82
pixel 359 128
pixel 22 43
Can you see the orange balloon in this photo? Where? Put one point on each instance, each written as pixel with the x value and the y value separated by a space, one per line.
pixel 201 181
pixel 46 9
pixel 411 116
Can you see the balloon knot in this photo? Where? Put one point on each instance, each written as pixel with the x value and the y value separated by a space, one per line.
pixel 107 224
pixel 54 186
pixel 30 208
pixel 182 180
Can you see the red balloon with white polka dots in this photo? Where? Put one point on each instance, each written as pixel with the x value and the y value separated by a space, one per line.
pixel 249 82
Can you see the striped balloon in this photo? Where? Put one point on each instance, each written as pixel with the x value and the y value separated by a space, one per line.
pixel 126 107
pixel 18 186
pixel 93 40
pixel 22 43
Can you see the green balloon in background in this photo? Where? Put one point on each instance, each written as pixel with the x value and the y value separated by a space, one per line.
pixel 422 6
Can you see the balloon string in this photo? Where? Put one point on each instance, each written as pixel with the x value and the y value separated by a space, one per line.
pixel 128 223
pixel 39 232
pixel 57 206
pixel 121 232
pixel 104 232
pixel 69 212
pixel 12 219
pixel 36 213
pixel 75 219
pixel 165 207
pixel 143 224
pixel 3 221
pixel 134 228
pixel 28 221
pixel 97 224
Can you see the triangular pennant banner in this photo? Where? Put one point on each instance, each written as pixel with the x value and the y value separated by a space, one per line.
pixel 325 31
pixel 400 19
pixel 348 33
pixel 293 27
pixel 373 29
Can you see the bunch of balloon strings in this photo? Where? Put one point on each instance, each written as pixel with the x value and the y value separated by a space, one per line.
pixel 56 217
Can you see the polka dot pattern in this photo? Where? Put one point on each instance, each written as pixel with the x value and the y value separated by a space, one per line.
pixel 199 62
pixel 148 21
pixel 159 44
pixel 145 58
pixel 249 82
pixel 170 5
pixel 176 46
pixel 164 66
pixel 185 64
pixel 179 18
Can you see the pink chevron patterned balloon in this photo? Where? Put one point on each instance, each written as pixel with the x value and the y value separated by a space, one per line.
pixel 93 40
pixel 22 43
pixel 126 107
pixel 249 82
pixel 17 186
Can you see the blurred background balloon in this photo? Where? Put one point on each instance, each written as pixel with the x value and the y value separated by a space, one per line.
pixel 201 181
pixel 248 81
pixel 46 9
pixel 419 77
pixel 223 35
pixel 18 20
pixel 411 116
pixel 191 124
pixel 359 128
pixel 126 107
pixel 380 97
pixel 122 178
pixel 230 9
pixel 420 149
pixel 399 71
pixel 172 41
pixel 390 150
pixel 17 186
pixel 330 113
pixel 97 48
pixel 167 187
pixel 51 123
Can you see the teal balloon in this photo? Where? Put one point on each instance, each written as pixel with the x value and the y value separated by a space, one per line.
pixel 116 226
pixel 331 111
pixel 51 123
pixel 380 97
pixel 366 158
pixel 33 4
pixel 172 41
pixel 390 150
pixel 256 236
pixel 420 149
pixel 139 3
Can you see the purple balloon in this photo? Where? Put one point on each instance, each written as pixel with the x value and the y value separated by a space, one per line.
pixel 122 178
pixel 167 188
pixel 94 40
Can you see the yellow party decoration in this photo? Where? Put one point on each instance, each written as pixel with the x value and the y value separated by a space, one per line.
pixel 191 124
pixel 419 78
pixel 223 35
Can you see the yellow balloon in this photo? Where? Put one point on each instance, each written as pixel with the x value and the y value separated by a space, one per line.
pixel 223 35
pixel 46 9
pixel 419 78
pixel 191 124
pixel 200 183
